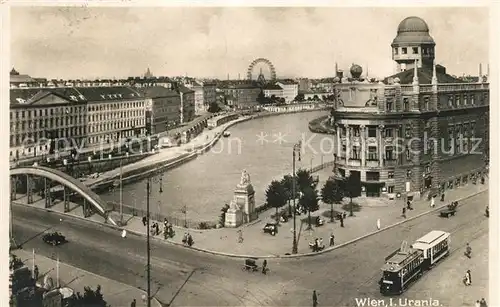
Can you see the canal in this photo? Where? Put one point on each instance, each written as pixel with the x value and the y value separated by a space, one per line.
pixel 202 186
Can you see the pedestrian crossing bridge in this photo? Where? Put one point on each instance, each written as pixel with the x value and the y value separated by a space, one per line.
pixel 49 175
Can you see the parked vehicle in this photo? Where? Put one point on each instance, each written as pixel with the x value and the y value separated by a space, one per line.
pixel 271 229
pixel 250 266
pixel 55 238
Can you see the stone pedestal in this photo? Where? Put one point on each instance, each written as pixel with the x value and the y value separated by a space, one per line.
pixel 234 216
pixel 242 207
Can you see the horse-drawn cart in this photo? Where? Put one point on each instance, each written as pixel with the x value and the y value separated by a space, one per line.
pixel 451 209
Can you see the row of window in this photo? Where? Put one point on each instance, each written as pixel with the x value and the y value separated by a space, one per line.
pixel 117 105
pixel 413 50
pixel 116 115
pixel 22 114
pixel 372 131
pixel 96 128
pixel 372 153
pixel 26 138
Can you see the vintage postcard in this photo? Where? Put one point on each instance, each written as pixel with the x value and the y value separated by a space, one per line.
pixel 232 155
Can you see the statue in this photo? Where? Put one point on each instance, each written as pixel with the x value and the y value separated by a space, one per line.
pixel 245 178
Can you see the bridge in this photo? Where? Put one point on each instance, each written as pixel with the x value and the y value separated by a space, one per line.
pixel 69 183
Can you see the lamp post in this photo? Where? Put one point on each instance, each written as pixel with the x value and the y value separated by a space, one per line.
pixel 148 247
pixel 296 149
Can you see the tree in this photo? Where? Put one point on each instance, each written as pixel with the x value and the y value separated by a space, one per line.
pixel 309 200
pixel 276 196
pixel 214 108
pixel 89 298
pixel 299 97
pixel 315 97
pixel 352 189
pixel 261 98
pixel 304 179
pixel 331 193
pixel 222 218
pixel 287 184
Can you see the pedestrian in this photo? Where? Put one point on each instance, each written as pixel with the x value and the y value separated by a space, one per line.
pixel 144 220
pixel 432 201
pixel 321 246
pixel 408 205
pixel 404 212
pixel 36 272
pixel 467 278
pixel 468 251
pixel 332 240
pixel 482 180
pixel 133 303
pixel 315 299
pixel 442 196
pixel 477 304
pixel 378 224
pixel 341 221
pixel 264 267
pixel 482 303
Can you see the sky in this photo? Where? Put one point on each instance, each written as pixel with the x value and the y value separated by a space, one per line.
pixel 104 42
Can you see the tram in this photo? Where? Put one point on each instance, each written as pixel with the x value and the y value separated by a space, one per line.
pixel 407 264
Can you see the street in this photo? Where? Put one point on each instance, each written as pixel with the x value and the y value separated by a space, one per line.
pixel 191 278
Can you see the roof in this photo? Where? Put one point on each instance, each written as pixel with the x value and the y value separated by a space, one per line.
pixel 196 83
pixel 76 94
pixel 287 82
pixel 413 30
pixel 272 87
pixel 181 88
pixel 399 260
pixel 432 236
pixel 157 91
pixel 424 76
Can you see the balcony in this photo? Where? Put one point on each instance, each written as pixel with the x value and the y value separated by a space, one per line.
pixel 457 87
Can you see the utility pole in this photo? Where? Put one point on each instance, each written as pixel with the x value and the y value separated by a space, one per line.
pixel 121 193
pixel 296 147
pixel 147 245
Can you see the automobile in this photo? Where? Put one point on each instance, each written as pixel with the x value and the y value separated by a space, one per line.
pixel 54 238
pixel 271 228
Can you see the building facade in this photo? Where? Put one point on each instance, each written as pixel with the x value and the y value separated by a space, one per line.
pixel 273 90
pixel 290 90
pixel 419 131
pixel 39 118
pixel 241 96
pixel 165 109
pixel 51 120
pixel 209 93
pixel 187 107
pixel 199 103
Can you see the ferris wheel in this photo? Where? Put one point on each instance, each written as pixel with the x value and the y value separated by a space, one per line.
pixel 261 77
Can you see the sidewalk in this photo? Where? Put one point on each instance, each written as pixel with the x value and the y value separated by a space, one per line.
pixel 115 293
pixel 225 240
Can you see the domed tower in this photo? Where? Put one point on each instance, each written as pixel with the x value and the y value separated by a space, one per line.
pixel 413 43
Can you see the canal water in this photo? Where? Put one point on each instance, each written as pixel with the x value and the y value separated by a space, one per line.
pixel 202 186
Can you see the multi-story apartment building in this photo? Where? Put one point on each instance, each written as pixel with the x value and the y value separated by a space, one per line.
pixel 272 90
pixel 113 113
pixel 39 118
pixel 165 110
pixel 419 131
pixel 187 102
pixel 199 103
pixel 47 120
pixel 209 93
pixel 241 95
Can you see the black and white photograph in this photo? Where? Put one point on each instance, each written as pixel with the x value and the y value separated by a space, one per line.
pixel 238 155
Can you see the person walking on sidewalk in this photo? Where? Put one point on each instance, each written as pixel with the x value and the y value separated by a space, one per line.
pixel 264 267
pixel 433 201
pixel 477 304
pixel 468 251
pixel 378 224
pixel 134 303
pixel 404 212
pixel 341 221
pixel 332 239
pixel 482 303
pixel 315 299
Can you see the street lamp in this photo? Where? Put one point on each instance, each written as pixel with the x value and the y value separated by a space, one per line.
pixel 296 149
pixel 148 247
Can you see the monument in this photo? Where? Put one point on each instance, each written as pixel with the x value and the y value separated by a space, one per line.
pixel 242 207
